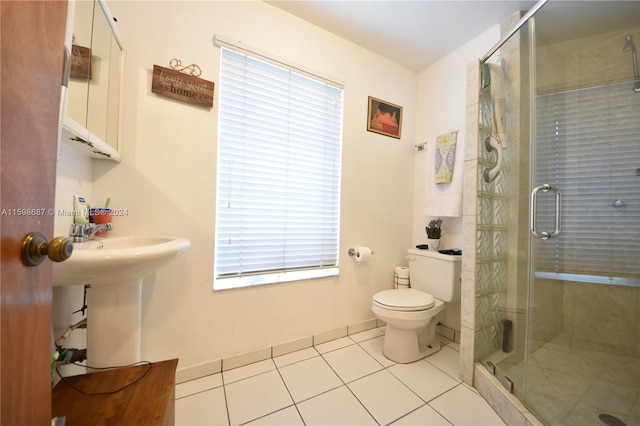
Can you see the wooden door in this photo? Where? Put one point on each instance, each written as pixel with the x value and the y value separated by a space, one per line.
pixel 32 61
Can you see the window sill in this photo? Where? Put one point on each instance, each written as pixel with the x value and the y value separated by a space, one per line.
pixel 274 278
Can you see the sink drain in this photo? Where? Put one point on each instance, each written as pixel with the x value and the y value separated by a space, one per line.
pixel 610 420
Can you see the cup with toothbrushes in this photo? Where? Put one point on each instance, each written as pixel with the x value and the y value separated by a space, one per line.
pixel 100 215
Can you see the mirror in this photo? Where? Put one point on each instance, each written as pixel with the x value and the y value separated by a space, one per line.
pixel 80 63
pixel 93 99
pixel 113 104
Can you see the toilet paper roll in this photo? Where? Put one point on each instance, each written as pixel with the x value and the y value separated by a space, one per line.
pixel 402 272
pixel 363 254
pixel 401 276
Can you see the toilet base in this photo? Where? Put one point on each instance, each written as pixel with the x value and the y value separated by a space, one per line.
pixel 406 346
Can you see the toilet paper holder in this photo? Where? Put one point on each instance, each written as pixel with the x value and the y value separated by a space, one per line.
pixel 353 252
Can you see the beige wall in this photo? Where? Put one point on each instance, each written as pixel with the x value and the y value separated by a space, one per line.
pixel 442 100
pixel 166 179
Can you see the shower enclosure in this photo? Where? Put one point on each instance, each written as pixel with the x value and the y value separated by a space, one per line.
pixel 557 219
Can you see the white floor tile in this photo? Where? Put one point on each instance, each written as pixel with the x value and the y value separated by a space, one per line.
pixel 424 379
pixel 447 360
pixel 198 385
pixel 296 356
pixel 332 345
pixel 204 408
pixel 256 396
pixel 247 371
pixel 352 362
pixel 306 387
pixel 336 407
pixel 309 378
pixel 287 416
pixel 384 396
pixel 462 406
pixel 424 416
pixel 374 348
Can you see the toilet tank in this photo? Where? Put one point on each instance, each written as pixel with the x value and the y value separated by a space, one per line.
pixel 435 273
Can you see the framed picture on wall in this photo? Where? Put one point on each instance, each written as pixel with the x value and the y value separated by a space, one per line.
pixel 384 118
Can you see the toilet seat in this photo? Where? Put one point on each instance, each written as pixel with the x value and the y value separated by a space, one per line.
pixel 404 300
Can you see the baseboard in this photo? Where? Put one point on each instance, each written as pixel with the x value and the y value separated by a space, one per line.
pixel 208 368
pixel 199 370
pixel 448 332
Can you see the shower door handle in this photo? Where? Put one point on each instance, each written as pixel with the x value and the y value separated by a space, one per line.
pixel 534 196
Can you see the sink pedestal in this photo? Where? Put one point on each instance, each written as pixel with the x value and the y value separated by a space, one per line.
pixel 114 324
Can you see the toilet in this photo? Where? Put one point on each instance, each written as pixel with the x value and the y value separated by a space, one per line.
pixel 411 313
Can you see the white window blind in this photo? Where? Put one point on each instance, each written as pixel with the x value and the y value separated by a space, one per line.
pixel 587 144
pixel 279 164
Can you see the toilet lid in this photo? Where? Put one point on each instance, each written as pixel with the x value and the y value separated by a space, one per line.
pixel 404 299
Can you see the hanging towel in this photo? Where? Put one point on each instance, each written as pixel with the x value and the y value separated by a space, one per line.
pixel 445 157
pixel 445 199
pixel 498 103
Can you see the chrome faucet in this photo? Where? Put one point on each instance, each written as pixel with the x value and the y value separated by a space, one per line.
pixel 82 232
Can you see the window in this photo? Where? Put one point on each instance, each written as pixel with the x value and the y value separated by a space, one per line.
pixel 279 162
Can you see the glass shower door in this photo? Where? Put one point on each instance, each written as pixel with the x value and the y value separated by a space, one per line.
pixel 583 343
pixel 502 219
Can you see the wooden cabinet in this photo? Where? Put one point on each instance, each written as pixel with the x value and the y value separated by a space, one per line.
pixel 91 118
pixel 139 395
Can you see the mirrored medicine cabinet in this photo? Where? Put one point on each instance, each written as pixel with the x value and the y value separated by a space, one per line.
pixel 91 118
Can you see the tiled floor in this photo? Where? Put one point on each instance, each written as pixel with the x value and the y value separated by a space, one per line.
pixel 342 382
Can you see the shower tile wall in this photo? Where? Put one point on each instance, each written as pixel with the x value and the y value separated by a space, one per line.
pixel 601 62
pixel 612 330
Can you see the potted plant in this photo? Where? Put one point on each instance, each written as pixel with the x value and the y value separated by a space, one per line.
pixel 434 232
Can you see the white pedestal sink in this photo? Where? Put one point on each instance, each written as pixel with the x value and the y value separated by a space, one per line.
pixel 114 268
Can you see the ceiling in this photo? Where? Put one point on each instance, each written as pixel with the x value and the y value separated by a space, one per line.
pixel 411 33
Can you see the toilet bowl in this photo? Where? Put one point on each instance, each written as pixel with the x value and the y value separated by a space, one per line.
pixel 411 314
pixel 411 320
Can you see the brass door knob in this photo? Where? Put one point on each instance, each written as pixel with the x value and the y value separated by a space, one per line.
pixel 35 248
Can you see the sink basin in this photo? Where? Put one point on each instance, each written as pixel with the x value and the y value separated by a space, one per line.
pixel 116 259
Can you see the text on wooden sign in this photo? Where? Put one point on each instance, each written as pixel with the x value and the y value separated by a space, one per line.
pixel 182 87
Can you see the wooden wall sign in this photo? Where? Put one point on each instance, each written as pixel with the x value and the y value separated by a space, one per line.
pixel 182 87
pixel 80 62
